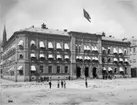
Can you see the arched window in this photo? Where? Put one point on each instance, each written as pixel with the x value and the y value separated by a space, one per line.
pixel 20 56
pixel 109 51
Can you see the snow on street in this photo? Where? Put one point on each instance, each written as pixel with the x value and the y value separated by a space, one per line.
pixel 99 92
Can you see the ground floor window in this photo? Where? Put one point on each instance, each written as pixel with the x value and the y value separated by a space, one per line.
pixel 49 69
pixel 66 69
pixel 20 72
pixel 41 68
pixel 58 69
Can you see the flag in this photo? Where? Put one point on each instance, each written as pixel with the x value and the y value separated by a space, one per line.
pixel 86 15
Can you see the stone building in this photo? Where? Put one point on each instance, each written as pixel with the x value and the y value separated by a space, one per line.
pixel 55 54
pixel 133 56
pixel 115 55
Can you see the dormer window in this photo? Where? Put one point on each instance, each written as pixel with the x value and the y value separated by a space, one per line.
pixel 32 44
pixel 58 46
pixel 20 44
pixel 50 45
pixel 41 45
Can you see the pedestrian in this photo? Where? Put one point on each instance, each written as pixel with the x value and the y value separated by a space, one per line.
pixel 69 77
pixel 58 84
pixel 86 84
pixel 50 84
pixel 62 83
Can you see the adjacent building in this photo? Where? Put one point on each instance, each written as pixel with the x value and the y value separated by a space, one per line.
pixel 58 54
pixel 133 57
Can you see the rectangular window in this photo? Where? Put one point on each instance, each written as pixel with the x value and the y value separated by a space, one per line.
pixel 41 69
pixel 134 60
pixel 66 69
pixel 49 69
pixel 134 50
pixel 58 69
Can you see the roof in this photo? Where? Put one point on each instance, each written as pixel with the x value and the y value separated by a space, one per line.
pixel 45 31
pixel 113 39
pixel 85 33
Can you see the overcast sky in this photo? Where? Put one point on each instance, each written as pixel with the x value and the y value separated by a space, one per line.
pixel 115 17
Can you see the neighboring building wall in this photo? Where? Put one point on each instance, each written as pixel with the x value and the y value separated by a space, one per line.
pixel 133 57
pixel 115 55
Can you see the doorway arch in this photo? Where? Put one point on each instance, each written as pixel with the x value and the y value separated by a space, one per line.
pixel 94 72
pixel 86 71
pixel 78 71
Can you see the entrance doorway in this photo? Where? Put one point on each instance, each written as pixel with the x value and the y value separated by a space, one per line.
pixel 86 71
pixel 94 72
pixel 78 72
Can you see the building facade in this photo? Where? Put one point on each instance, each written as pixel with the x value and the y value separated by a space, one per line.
pixel 115 56
pixel 133 57
pixel 60 54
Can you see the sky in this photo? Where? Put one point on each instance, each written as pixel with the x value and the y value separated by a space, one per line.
pixel 114 17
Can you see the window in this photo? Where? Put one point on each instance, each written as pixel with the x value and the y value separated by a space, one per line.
pixel 58 69
pixel 134 50
pixel 20 44
pixel 125 52
pixel 109 60
pixel 20 56
pixel 125 70
pixel 32 44
pixel 66 69
pixel 103 60
pixel 134 60
pixel 109 51
pixel 49 69
pixel 41 69
pixel 78 47
pixel 20 70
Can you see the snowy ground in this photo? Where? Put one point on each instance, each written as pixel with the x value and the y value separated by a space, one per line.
pixel 99 92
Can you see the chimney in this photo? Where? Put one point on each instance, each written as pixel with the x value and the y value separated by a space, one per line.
pixel 110 35
pixel 103 34
pixel 65 30
pixel 43 26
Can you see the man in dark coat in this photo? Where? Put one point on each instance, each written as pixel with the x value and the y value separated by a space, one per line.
pixel 62 83
pixel 50 84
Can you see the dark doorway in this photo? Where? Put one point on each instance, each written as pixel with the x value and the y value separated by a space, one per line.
pixel 94 72
pixel 133 72
pixel 86 71
pixel 78 73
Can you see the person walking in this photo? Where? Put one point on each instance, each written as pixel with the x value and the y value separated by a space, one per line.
pixel 50 84
pixel 62 83
pixel 58 84
pixel 86 83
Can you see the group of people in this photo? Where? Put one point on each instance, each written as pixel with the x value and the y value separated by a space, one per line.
pixel 61 84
